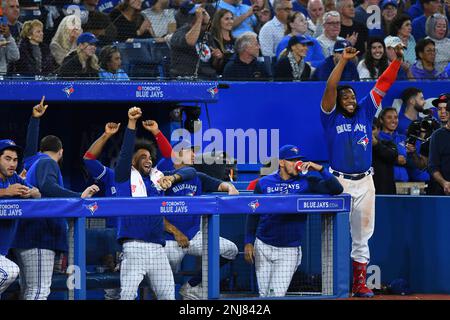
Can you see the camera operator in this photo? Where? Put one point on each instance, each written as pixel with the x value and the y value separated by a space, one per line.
pixel 418 145
pixel 439 162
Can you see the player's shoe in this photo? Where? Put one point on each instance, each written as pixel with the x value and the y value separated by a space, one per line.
pixel 191 293
pixel 359 289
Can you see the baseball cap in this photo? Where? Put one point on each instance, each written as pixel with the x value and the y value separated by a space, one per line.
pixel 442 98
pixel 189 7
pixel 289 152
pixel 299 39
pixel 392 42
pixel 340 45
pixel 184 144
pixel 87 37
pixel 9 144
pixel 387 3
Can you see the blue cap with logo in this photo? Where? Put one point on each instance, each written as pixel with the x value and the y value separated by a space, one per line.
pixel 387 3
pixel 340 45
pixel 289 152
pixel 87 37
pixel 9 144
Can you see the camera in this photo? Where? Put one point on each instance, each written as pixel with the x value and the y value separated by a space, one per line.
pixel 422 129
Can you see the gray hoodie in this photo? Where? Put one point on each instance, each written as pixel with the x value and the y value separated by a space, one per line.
pixel 8 53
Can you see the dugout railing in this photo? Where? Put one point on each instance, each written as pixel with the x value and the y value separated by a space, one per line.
pixel 334 229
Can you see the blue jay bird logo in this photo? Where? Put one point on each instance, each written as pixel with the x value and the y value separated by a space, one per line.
pixel 364 141
pixel 92 207
pixel 254 205
pixel 213 91
pixel 68 90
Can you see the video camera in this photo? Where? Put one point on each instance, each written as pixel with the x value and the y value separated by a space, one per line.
pixel 422 129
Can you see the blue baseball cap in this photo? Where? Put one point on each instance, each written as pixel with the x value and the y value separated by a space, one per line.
pixel 289 152
pixel 184 144
pixel 299 39
pixel 87 37
pixel 340 45
pixel 9 144
pixel 388 2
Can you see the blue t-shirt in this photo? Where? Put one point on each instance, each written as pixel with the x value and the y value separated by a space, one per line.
pixel 418 27
pixel 403 122
pixel 349 140
pixel 189 225
pixel 238 10
pixel 286 230
pixel 8 227
pixel 400 172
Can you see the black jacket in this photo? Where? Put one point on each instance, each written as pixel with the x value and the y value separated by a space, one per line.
pixel 235 69
pixel 71 68
pixel 283 71
pixel 384 157
pixel 27 64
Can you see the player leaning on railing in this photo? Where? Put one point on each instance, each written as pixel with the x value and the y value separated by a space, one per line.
pixel 348 132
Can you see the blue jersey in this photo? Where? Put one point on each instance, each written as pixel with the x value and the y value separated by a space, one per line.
pixel 400 172
pixel 403 122
pixel 190 224
pixel 286 230
pixel 45 233
pixel 349 140
pixel 8 227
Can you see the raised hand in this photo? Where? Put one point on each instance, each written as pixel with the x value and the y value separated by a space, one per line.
pixel 349 53
pixel 151 125
pixel 399 52
pixel 310 166
pixel 134 113
pixel 352 38
pixel 39 109
pixel 111 128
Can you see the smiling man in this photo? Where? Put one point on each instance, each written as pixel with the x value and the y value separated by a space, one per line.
pixel 348 132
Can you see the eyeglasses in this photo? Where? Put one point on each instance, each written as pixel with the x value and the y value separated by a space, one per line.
pixel 333 23
pixel 286 9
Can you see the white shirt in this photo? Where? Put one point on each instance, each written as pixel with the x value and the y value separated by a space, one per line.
pixel 442 53
pixel 270 36
pixel 160 20
pixel 327 44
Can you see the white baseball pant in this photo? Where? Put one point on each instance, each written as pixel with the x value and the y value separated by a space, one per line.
pixel 362 215
pixel 275 267
pixel 36 270
pixel 148 259
pixel 8 273
pixel 175 253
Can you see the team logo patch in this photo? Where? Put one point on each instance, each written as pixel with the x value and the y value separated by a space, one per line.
pixel 295 150
pixel 92 207
pixel 364 141
pixel 164 203
pixel 68 90
pixel 213 91
pixel 254 205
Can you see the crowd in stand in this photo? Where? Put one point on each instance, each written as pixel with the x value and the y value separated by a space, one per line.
pixel 294 40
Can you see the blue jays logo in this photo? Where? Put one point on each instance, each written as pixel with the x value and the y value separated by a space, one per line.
pixel 92 207
pixel 68 90
pixel 254 205
pixel 364 141
pixel 294 150
pixel 213 91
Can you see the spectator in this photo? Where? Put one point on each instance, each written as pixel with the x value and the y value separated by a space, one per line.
pixel 296 26
pixel 324 70
pixel 82 62
pixel 191 48
pixel 12 14
pixel 244 19
pixel 110 65
pixel 300 6
pixel 401 27
pixel 437 30
pixel 375 60
pixel 405 71
pixel 439 161
pixel 388 13
pixel 441 105
pixel 244 65
pixel 273 31
pixel 65 38
pixel 316 10
pixel 413 103
pixel 351 30
pixel 263 13
pixel 424 68
pixel 8 49
pixel 384 157
pixel 329 5
pixel 363 11
pixel 389 123
pixel 101 27
pixel 35 57
pixel 292 64
pixel 222 25
pixel 430 7
pixel 129 21
pixel 162 19
pixel 416 10
pixel 331 30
